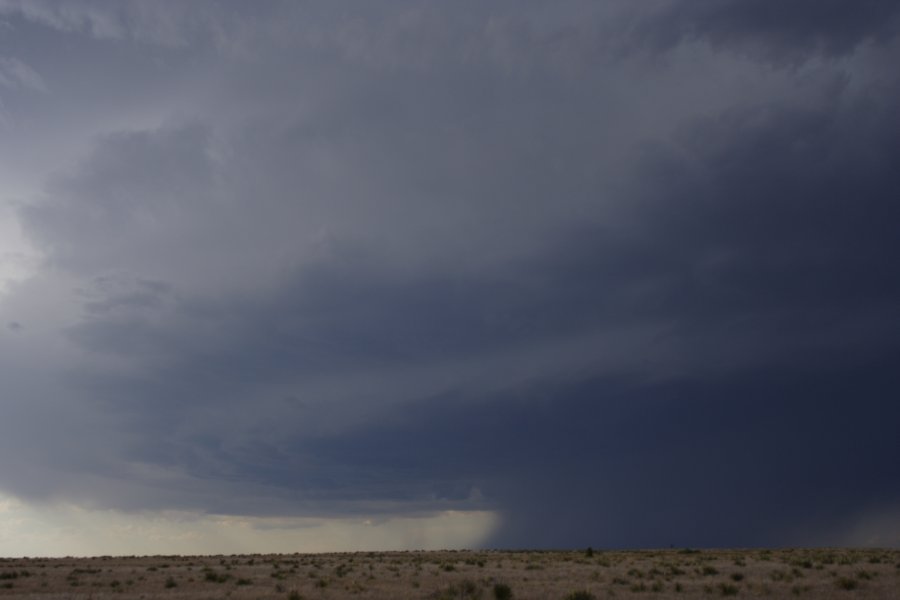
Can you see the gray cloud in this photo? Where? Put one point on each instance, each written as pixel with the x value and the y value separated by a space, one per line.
pixel 16 74
pixel 780 33
pixel 414 258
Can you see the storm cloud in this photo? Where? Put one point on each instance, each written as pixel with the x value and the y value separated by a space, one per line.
pixel 621 275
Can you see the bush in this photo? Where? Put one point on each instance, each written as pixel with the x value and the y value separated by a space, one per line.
pixel 726 589
pixel 846 583
pixel 465 590
pixel 580 595
pixel 216 577
pixel 502 592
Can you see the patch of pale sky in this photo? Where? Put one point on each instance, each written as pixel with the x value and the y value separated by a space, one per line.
pixel 70 530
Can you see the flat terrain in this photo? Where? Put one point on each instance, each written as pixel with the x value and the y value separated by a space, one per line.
pixel 446 575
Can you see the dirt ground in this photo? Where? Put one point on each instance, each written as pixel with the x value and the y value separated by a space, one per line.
pixel 445 575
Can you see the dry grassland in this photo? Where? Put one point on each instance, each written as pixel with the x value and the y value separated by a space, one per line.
pixel 449 575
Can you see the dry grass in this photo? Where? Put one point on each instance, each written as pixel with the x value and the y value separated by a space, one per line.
pixel 448 575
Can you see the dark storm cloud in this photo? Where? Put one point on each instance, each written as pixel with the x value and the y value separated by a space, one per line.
pixel 418 260
pixel 763 456
pixel 782 32
pixel 775 232
pixel 753 247
pixel 756 240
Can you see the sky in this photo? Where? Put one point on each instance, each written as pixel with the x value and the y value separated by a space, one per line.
pixel 313 276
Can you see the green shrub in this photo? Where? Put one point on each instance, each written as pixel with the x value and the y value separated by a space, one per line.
pixel 580 595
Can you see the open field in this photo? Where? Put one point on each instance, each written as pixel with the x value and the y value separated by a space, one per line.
pixel 446 575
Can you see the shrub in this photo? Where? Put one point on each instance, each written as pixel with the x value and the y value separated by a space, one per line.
pixel 170 583
pixel 216 577
pixel 580 595
pixel 502 591
pixel 726 589
pixel 846 583
pixel 469 589
pixel 464 590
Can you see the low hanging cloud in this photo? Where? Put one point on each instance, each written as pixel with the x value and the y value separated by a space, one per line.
pixel 417 260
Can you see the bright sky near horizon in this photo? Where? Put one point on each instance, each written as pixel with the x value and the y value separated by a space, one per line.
pixel 281 276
